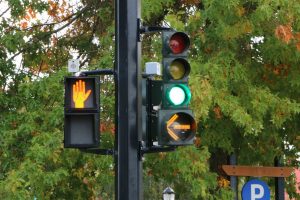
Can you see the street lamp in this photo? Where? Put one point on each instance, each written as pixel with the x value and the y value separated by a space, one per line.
pixel 168 194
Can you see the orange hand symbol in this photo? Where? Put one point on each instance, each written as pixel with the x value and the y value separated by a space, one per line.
pixel 79 94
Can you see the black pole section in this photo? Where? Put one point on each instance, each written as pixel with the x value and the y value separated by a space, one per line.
pixel 233 179
pixel 98 72
pixel 149 106
pixel 99 151
pixel 279 181
pixel 128 83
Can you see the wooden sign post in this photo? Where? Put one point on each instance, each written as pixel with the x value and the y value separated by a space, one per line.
pixel 256 171
pixel 261 171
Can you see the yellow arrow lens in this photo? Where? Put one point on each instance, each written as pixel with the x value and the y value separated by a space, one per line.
pixel 181 126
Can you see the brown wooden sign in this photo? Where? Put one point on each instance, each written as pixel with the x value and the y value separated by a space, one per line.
pixel 256 171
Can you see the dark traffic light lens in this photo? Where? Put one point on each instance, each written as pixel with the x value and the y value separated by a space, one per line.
pixel 179 69
pixel 179 42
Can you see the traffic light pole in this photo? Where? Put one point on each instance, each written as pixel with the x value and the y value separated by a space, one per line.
pixel 128 166
pixel 279 182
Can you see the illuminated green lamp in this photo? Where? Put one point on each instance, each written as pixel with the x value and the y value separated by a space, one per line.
pixel 178 95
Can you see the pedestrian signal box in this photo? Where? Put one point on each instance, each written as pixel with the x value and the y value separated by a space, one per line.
pixel 81 112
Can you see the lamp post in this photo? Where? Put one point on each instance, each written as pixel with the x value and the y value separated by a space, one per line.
pixel 168 194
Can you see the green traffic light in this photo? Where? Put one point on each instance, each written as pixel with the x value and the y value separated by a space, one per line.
pixel 178 95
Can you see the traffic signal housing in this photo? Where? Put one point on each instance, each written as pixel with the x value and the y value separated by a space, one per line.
pixel 81 128
pixel 176 123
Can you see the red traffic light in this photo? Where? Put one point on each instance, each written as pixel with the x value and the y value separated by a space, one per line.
pixel 179 42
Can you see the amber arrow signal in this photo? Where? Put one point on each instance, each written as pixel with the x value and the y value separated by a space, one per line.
pixel 170 124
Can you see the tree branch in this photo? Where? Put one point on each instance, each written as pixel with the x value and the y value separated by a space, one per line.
pixel 3 13
pixel 45 34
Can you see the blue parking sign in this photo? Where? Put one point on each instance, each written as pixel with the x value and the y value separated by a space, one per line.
pixel 255 189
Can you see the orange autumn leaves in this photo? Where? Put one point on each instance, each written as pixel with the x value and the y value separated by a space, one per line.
pixel 56 10
pixel 285 34
pixel 280 70
pixel 223 182
pixel 107 127
pixel 30 14
pixel 218 112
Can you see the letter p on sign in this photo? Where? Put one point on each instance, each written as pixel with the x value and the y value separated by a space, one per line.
pixel 255 190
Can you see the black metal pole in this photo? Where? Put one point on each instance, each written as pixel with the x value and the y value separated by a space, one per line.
pixel 233 179
pixel 279 182
pixel 128 108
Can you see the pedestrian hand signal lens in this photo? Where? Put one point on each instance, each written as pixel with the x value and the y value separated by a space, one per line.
pixel 80 94
pixel 179 69
pixel 179 95
pixel 179 42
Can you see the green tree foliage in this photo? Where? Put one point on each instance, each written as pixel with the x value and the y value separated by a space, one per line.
pixel 245 77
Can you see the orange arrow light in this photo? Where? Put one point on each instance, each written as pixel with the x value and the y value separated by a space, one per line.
pixel 179 127
pixel 172 134
pixel 169 123
pixel 173 119
pixel 79 94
